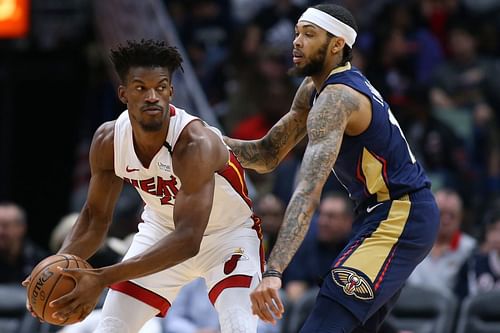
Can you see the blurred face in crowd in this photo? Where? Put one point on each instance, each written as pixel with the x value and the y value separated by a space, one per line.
pixel 270 209
pixel 493 236
pixel 310 49
pixel 334 221
pixel 147 92
pixel 450 208
pixel 462 44
pixel 12 230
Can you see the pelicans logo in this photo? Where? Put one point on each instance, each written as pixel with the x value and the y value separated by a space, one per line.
pixel 352 283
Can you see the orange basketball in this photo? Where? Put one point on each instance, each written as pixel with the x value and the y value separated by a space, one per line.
pixel 48 284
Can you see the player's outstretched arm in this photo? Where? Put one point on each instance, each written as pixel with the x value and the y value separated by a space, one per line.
pixel 326 124
pixel 96 215
pixel 265 154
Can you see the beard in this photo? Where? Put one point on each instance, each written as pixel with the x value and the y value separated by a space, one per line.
pixel 152 126
pixel 315 65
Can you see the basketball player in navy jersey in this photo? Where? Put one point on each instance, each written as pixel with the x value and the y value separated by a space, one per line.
pixel 351 130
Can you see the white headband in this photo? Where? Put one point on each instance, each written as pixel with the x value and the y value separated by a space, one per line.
pixel 330 24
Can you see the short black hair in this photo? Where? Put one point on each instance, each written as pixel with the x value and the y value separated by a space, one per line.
pixel 144 53
pixel 344 16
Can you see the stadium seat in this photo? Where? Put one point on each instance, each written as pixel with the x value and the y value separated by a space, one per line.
pixel 480 313
pixel 422 310
pixel 12 307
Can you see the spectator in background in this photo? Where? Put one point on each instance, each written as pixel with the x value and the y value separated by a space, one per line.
pixel 18 255
pixel 441 151
pixel 327 236
pixel 481 272
pixel 451 249
pixel 192 312
pixel 271 211
pixel 109 253
pixel 465 95
pixel 276 21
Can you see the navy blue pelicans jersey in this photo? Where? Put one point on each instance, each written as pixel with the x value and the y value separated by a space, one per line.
pixel 377 164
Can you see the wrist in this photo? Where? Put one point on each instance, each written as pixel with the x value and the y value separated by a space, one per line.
pixel 272 272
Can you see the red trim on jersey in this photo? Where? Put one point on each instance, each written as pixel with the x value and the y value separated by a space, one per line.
pixel 361 177
pixel 144 295
pixel 233 172
pixel 347 253
pixel 384 168
pixel 172 110
pixel 257 226
pixel 381 277
pixel 235 281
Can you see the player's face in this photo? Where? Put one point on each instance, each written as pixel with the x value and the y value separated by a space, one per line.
pixel 310 49
pixel 147 93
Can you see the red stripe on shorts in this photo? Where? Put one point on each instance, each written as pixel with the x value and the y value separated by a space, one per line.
pixel 144 295
pixel 235 281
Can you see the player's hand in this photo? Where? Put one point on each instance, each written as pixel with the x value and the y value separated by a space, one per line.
pixel 26 284
pixel 83 298
pixel 266 302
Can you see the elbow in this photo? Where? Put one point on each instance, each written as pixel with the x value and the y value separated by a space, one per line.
pixel 191 247
pixel 192 250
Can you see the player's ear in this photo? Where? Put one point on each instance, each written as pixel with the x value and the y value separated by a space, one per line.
pixel 171 93
pixel 121 94
pixel 338 45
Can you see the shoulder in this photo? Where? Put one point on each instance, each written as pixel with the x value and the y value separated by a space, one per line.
pixel 341 94
pixel 200 146
pixel 102 148
pixel 104 135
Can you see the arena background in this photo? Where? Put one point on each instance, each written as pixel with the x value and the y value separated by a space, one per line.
pixel 437 63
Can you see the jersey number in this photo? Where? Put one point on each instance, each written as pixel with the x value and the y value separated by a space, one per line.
pixel 377 97
pixel 394 121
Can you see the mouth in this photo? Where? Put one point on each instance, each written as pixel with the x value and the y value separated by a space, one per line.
pixel 297 56
pixel 152 109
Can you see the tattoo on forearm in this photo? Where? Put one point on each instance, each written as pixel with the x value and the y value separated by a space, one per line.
pixel 265 154
pixel 326 125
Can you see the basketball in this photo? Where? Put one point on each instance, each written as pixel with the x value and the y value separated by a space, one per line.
pixel 48 284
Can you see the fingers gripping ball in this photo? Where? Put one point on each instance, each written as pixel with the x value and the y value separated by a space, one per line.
pixel 48 284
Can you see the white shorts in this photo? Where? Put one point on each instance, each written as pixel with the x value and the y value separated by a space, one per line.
pixel 226 260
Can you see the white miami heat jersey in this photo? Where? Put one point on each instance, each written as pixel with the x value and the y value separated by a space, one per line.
pixel 158 185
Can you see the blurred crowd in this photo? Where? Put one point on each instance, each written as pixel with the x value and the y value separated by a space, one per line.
pixel 436 62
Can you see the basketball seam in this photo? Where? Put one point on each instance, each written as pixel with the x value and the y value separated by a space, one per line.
pixel 40 271
pixel 53 286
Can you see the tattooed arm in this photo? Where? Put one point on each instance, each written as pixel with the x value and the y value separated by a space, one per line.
pixel 326 124
pixel 265 154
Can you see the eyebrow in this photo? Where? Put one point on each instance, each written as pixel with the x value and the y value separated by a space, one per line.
pixel 307 25
pixel 136 80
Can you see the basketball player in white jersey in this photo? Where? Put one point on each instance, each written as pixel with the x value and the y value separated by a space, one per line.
pixel 197 217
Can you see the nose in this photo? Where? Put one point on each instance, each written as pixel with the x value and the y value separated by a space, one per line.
pixel 152 96
pixel 296 41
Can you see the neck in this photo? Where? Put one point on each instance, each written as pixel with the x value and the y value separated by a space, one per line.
pixel 147 144
pixel 320 78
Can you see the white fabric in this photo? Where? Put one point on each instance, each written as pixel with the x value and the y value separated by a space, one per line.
pixel 150 182
pixel 330 24
pixel 215 249
pixel 441 272
pixel 124 314
pixel 237 317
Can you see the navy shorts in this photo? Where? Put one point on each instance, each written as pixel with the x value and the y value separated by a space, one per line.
pixel 389 240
